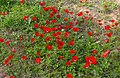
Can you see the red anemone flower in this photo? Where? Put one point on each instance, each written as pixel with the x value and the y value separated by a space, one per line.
pixel 87 12
pixel 80 14
pixel 90 33
pixel 72 51
pixel 107 27
pixel 22 1
pixel 21 38
pixel 48 39
pixel 48 55
pixel 71 12
pixel 37 33
pixel 34 18
pixel 36 25
pixel 60 47
pixel 8 42
pixel 47 30
pixel 49 47
pixel 106 53
pixel 24 57
pixel 65 19
pixel 42 3
pixel 91 60
pixel 53 21
pixel 109 34
pixel 68 63
pixel 45 8
pixel 94 51
pixel 41 35
pixel 13 49
pixel 38 60
pixel 32 40
pixel 69 76
pixel 61 43
pixel 8 59
pixel 86 65
pixel 71 23
pixel 112 20
pixel 25 17
pixel 106 40
pixel 74 58
pixel 38 53
pixel 58 16
pixel 75 29
pixel 71 43
pixel 12 77
pixel 58 39
pixel 66 10
pixel 1 40
pixel 61 57
pixel 66 34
